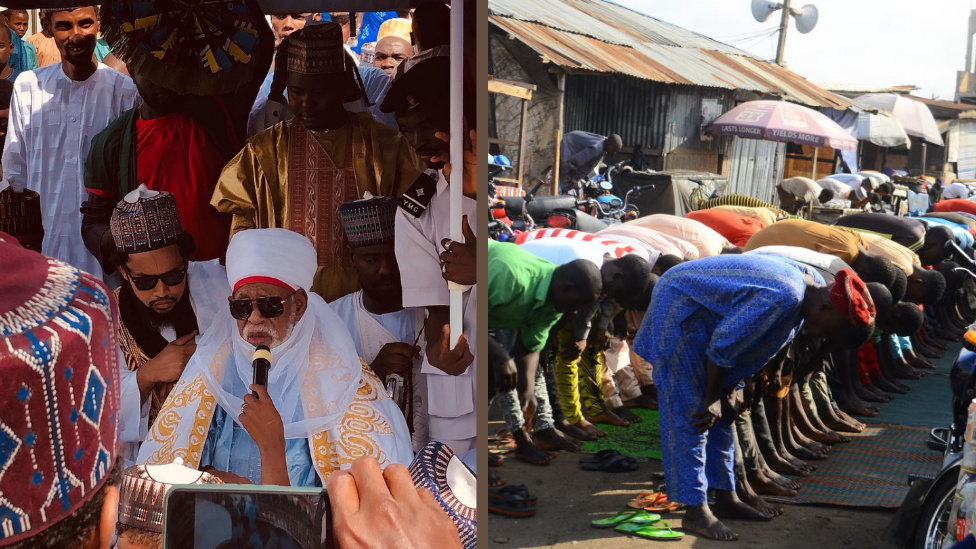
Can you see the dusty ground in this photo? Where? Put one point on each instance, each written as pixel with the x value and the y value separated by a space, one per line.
pixel 570 498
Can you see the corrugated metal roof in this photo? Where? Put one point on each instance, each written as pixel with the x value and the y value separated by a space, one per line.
pixel 598 36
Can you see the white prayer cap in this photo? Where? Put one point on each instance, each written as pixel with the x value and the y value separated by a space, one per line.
pixel 272 256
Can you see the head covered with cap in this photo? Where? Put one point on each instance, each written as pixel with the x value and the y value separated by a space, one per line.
pixel 142 493
pixel 273 256
pixel 850 296
pixel 315 371
pixel 58 372
pixel 317 60
pixel 145 220
pixel 369 221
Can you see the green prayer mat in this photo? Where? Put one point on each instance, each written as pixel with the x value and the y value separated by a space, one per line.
pixel 640 440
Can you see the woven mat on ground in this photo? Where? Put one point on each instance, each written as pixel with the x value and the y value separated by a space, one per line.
pixel 640 440
pixel 928 403
pixel 870 471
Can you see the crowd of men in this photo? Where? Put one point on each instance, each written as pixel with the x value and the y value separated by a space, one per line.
pixel 760 336
pixel 154 241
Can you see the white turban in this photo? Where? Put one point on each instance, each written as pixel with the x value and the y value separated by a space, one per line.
pixel 272 256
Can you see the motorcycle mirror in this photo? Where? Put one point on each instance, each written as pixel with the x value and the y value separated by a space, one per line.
pixel 606 185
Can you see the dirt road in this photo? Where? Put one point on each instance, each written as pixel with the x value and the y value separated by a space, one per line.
pixel 570 498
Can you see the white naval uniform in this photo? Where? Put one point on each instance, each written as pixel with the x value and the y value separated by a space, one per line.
pixel 451 399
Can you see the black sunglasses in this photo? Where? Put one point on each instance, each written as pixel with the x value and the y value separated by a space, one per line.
pixel 148 282
pixel 269 307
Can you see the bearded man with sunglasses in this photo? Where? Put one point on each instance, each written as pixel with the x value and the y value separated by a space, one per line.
pixel 322 406
pixel 159 317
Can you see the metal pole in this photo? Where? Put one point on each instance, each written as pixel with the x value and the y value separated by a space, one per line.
pixel 457 159
pixel 816 151
pixel 784 24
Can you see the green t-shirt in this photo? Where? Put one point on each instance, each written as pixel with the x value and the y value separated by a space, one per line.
pixel 518 285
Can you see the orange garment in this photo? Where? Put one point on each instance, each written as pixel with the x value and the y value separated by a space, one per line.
pixel 737 229
pixel 955 205
pixel 826 239
pixel 47 49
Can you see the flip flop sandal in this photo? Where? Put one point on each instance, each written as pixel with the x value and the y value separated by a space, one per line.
pixel 660 530
pixel 511 506
pixel 519 490
pixel 495 481
pixel 610 462
pixel 665 507
pixel 627 516
pixel 646 499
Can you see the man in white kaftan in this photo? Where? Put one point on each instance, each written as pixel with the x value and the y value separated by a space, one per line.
pixel 385 333
pixel 54 113
pixel 326 408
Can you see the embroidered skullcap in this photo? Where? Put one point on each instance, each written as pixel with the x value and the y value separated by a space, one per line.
pixel 142 492
pixel 397 26
pixel 369 221
pixel 272 256
pixel 59 378
pixel 850 297
pixel 20 210
pixel 437 469
pixel 145 220
pixel 315 53
pixel 420 80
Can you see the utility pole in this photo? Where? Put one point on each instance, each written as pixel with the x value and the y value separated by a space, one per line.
pixel 784 24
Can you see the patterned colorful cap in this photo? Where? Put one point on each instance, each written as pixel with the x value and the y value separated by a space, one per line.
pixel 145 221
pixel 369 221
pixel 314 52
pixel 850 297
pixel 20 211
pixel 437 469
pixel 142 494
pixel 59 378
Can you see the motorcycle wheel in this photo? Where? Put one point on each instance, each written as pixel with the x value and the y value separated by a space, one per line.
pixel 933 531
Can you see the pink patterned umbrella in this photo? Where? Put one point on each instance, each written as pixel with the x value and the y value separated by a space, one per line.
pixel 782 121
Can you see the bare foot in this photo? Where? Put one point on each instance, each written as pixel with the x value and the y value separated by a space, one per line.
pixel 627 415
pixel 789 483
pixel 885 385
pixel 590 429
pixel 784 467
pixel 701 521
pixel 764 485
pixel 904 371
pixel 527 451
pixel 574 431
pixel 759 504
pixel 734 508
pixel 859 408
pixel 611 418
pixel 552 440
pixel 920 363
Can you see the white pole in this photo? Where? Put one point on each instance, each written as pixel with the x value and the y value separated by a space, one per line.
pixel 457 156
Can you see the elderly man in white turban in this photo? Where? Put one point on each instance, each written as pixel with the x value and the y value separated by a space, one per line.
pixel 322 407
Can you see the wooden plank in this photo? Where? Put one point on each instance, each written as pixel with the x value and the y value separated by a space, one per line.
pixel 512 89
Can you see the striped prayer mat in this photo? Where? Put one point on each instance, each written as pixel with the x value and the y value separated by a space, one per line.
pixel 870 471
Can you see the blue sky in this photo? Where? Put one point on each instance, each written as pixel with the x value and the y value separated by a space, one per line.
pixel 864 42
